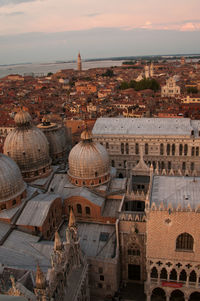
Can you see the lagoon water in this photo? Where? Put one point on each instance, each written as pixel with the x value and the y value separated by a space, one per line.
pixel 43 68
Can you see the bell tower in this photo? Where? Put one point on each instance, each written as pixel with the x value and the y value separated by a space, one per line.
pixel 79 62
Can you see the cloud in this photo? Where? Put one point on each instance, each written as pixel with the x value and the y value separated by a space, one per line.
pixel 91 15
pixel 15 13
pixel 8 2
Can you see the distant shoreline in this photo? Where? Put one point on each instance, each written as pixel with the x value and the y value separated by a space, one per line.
pixel 120 58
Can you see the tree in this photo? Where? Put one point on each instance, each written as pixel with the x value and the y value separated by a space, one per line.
pixel 124 86
pixel 109 73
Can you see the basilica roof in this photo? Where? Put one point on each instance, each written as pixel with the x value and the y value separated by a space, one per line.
pixel 11 182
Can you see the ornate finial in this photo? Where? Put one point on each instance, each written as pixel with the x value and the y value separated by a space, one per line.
pixel 46 120
pixel 13 281
pixel 72 220
pixel 57 242
pixel 68 236
pixel 22 118
pixel 40 279
pixel 86 134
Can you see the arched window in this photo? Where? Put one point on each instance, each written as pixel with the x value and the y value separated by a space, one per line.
pixel 79 208
pixel 113 163
pixel 127 148
pixel 87 210
pixel 173 275
pixel 168 149
pixel 183 276
pixel 192 151
pixel 197 151
pixel 154 273
pixel 137 148
pixel 107 145
pixel 184 241
pixel 183 166
pixel 180 149
pixel 162 165
pixel 163 274
pixel 161 149
pixel 169 165
pixel 193 277
pixel 3 206
pixel 134 250
pixel 173 149
pixel 122 148
pixel 146 148
pixel 185 149
pixel 192 166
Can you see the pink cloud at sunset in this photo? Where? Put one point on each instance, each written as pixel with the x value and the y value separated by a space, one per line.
pixel 18 16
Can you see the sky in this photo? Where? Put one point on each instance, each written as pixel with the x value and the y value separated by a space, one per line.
pixel 51 30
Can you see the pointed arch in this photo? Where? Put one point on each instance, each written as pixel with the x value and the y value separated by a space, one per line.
pixel 173 275
pixel 154 273
pixel 193 276
pixel 163 274
pixel 183 276
pixel 184 241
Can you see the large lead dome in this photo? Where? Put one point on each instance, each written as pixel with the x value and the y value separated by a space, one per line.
pixel 28 147
pixel 12 186
pixel 88 162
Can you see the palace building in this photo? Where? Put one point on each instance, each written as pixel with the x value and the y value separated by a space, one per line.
pixel 171 145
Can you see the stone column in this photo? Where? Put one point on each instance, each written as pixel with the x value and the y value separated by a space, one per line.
pixel 148 297
pixel 167 297
pixel 187 281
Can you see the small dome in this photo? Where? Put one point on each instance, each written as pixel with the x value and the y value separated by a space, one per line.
pixel 28 147
pixel 11 182
pixel 88 163
pixel 22 118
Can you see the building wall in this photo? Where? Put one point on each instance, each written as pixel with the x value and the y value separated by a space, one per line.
pixel 123 152
pixel 95 211
pixel 50 224
pixel 103 276
pixel 163 228
pixel 132 237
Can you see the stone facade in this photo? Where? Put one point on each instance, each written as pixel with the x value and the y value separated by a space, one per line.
pixel 168 153
pixel 172 267
pixel 171 89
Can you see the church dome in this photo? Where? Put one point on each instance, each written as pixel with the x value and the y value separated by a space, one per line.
pixel 28 147
pixel 11 183
pixel 56 135
pixel 88 162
